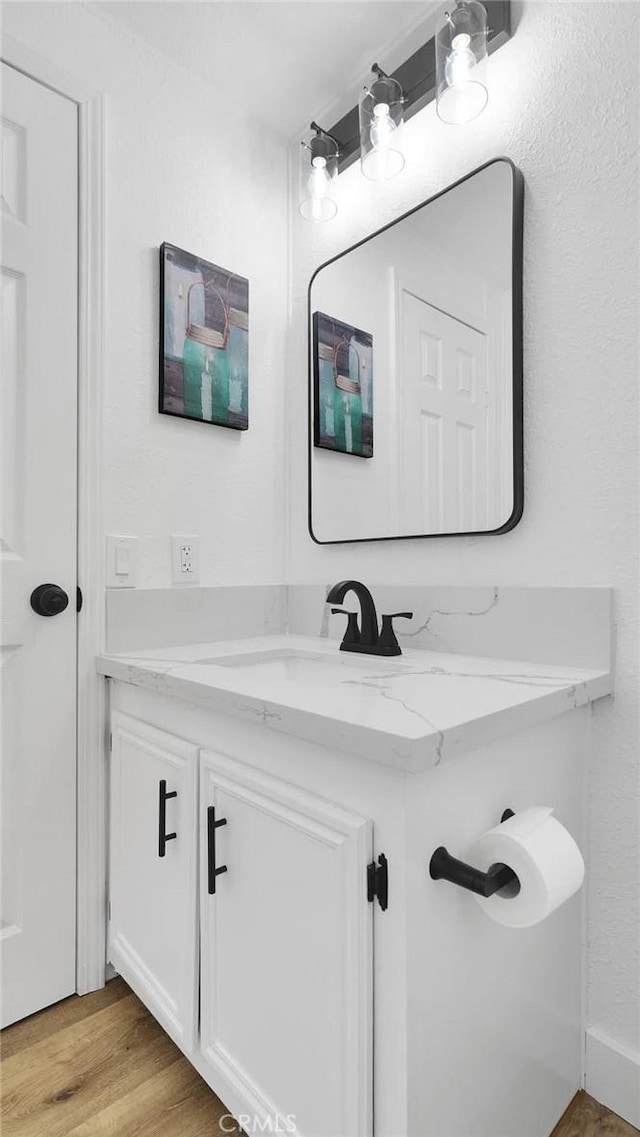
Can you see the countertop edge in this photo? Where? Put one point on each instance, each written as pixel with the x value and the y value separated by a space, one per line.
pixel 411 755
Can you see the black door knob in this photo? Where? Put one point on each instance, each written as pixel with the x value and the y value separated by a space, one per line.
pixel 49 599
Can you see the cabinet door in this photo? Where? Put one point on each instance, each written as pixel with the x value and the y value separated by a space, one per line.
pixel 152 931
pixel 286 953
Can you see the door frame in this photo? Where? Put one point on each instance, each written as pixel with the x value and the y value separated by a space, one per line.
pixel 90 690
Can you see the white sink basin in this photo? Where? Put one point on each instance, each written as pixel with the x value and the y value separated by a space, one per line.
pixel 304 667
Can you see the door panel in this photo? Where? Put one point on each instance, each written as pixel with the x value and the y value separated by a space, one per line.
pixel 286 997
pixel 152 938
pixel 38 396
pixel 443 420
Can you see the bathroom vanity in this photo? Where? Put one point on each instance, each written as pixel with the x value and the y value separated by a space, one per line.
pixel 274 805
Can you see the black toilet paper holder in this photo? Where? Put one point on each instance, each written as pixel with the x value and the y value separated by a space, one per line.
pixel 499 877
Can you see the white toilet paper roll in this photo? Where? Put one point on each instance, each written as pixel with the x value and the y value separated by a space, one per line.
pixel 545 858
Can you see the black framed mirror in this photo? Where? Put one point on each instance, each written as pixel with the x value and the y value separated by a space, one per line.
pixel 415 375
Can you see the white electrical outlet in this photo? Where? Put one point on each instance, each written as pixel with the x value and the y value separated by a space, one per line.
pixel 185 559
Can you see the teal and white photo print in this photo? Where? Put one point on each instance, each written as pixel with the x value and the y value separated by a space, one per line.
pixel 343 387
pixel 204 340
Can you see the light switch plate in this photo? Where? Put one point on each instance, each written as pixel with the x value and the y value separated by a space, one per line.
pixel 185 558
pixel 122 561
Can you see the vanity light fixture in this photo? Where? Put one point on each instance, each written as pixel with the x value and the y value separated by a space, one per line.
pixel 318 172
pixel 381 114
pixel 461 62
pixel 450 68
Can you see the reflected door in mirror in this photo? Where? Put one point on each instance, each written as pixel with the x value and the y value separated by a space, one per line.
pixel 443 424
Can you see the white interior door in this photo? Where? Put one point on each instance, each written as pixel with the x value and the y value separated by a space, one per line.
pixel 443 421
pixel 39 188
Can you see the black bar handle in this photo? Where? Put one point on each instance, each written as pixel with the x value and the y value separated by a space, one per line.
pixel 213 871
pixel 163 836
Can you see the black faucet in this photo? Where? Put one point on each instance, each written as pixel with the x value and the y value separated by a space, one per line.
pixel 365 637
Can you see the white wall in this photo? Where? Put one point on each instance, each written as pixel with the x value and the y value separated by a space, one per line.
pixel 184 168
pixel 564 107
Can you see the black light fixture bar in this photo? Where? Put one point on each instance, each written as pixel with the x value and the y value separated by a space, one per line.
pixel 417 77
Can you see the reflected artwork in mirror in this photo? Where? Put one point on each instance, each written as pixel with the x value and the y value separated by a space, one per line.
pixel 342 387
pixel 439 293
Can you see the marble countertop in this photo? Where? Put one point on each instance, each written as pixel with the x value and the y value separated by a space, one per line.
pixel 412 711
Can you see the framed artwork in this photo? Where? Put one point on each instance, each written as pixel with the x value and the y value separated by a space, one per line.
pixel 342 387
pixel 204 340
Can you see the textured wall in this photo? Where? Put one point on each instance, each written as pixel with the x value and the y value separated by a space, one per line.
pixel 564 107
pixel 181 168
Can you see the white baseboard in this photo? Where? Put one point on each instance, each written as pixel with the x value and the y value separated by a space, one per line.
pixel 613 1076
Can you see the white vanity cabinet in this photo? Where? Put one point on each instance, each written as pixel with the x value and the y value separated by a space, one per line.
pixel 265 885
pixel 475 1023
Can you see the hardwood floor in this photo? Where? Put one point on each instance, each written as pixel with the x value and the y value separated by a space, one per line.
pixel 587 1118
pixel 102 1065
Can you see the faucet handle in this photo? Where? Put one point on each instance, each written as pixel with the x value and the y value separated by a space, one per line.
pixel 352 633
pixel 388 636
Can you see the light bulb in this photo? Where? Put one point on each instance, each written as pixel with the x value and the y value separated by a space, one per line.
pixel 382 127
pixel 465 94
pixel 318 206
pixel 461 61
pixel 461 68
pixel 319 180
pixel 386 159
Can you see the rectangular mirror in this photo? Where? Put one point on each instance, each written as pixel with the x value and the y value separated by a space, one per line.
pixel 415 399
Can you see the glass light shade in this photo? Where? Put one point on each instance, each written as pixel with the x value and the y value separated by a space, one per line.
pixel 318 172
pixel 461 62
pixel 381 114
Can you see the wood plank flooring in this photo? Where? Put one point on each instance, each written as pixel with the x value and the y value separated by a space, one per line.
pixel 587 1118
pixel 102 1065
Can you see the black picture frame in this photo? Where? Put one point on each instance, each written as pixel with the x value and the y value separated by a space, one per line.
pixel 223 328
pixel 517 231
